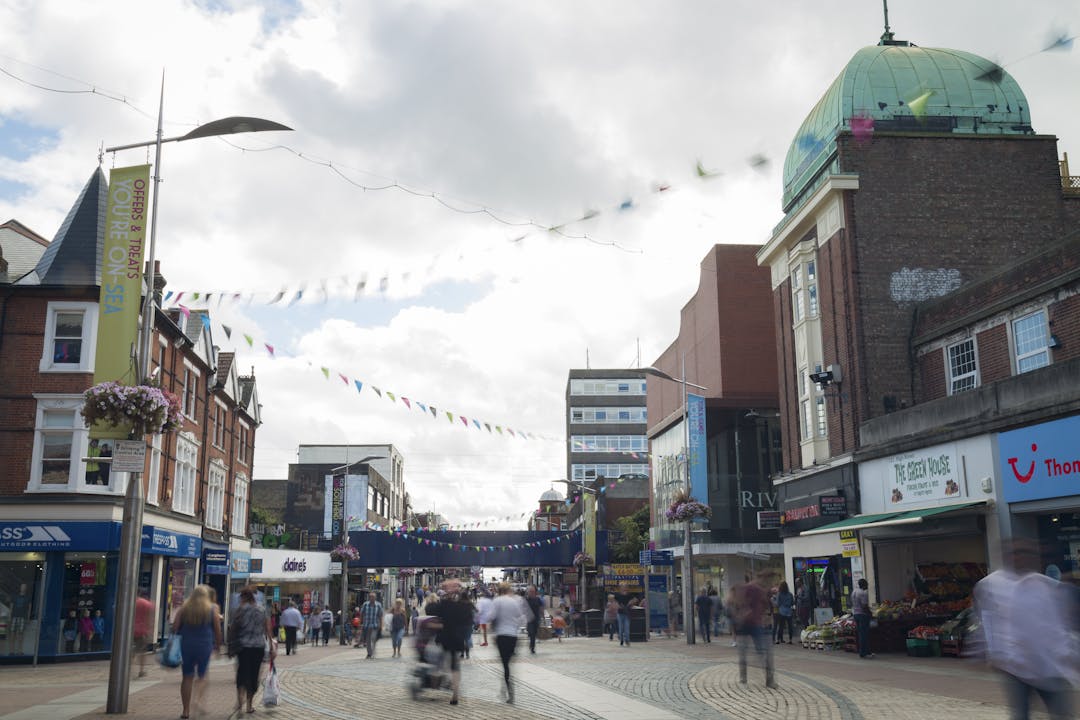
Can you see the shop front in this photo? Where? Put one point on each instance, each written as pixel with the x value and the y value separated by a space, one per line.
pixel 178 555
pixel 1039 467
pixel 215 570
pixel 57 588
pixel 297 575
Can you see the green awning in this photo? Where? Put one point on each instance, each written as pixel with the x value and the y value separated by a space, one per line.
pixel 860 522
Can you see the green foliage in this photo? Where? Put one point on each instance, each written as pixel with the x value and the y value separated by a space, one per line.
pixel 634 532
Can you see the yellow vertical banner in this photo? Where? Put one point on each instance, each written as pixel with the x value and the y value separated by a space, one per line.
pixel 590 525
pixel 119 305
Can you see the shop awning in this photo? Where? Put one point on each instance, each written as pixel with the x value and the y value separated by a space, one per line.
pixel 861 522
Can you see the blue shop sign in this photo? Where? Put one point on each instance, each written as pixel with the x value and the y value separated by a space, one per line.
pixel 241 564
pixel 48 535
pixel 156 541
pixel 215 561
pixel 1040 461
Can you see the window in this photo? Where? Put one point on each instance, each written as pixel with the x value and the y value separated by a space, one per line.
pixel 612 470
pixel 60 442
pixel 215 495
pixel 811 288
pixel 1030 339
pixel 805 405
pixel 217 426
pixel 70 333
pixel 153 479
pixel 184 482
pixel 961 364
pixel 189 392
pixel 609 443
pixel 240 511
pixel 607 387
pixel 607 415
pixel 242 445
pixel 797 308
pixel 822 422
pixel 806 418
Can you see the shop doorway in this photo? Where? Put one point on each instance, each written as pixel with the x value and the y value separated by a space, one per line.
pixel 827 583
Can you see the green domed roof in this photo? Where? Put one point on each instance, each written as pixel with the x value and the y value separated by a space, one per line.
pixel 967 94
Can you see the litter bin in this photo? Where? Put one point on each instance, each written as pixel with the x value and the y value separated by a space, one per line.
pixel 591 623
pixel 637 625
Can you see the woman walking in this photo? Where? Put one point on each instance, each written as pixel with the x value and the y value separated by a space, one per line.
pixel 611 612
pixel 785 607
pixel 397 626
pixel 199 628
pixel 250 632
pixel 508 613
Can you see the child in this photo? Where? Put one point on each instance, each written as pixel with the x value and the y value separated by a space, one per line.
pixel 558 625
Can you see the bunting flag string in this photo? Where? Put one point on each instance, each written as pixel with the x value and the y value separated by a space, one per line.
pixel 448 528
pixel 431 542
pixel 350 381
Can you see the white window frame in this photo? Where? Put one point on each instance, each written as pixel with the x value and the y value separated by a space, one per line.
pixel 805 416
pixel 153 477
pixel 80 441
pixel 812 305
pixel 215 495
pixel 244 433
pixel 89 312
pixel 185 474
pixel 218 417
pixel 239 505
pixel 957 383
pixel 600 386
pixel 1042 351
pixel 190 392
pixel 798 307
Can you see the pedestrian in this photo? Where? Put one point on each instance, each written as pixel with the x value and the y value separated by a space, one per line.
pixel 199 628
pixel 673 608
pixel 371 619
pixel 558 623
pixel 729 613
pixel 397 626
pixel 291 621
pixel 144 620
pixel 86 631
pixel 313 625
pixel 785 605
pixel 1029 627
pixel 93 467
pixel 622 615
pixel 802 603
pixel 483 614
pixel 611 611
pixel 536 607
pixel 353 629
pixel 326 621
pixel 454 614
pixel 508 611
pixel 860 609
pixel 704 613
pixel 751 608
pixel 250 633
pixel 717 610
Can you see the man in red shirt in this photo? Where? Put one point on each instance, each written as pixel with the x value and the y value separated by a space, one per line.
pixel 751 608
pixel 144 621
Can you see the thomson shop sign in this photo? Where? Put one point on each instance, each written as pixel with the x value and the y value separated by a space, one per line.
pixel 45 536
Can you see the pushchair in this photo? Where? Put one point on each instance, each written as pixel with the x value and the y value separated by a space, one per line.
pixel 432 669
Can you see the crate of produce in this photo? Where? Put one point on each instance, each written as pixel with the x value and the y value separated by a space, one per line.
pixel 851 644
pixel 917 647
pixel 952 646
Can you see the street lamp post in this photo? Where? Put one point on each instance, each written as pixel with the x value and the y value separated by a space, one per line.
pixel 688 546
pixel 131 532
pixel 584 526
pixel 344 597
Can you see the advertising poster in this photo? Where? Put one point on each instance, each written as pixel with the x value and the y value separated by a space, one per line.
pixel 695 416
pixel 923 476
pixel 346 500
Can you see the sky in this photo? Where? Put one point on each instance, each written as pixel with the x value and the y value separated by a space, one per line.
pixel 475 197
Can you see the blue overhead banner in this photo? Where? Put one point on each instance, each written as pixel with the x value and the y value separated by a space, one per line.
pixel 458 548
pixel 215 559
pixel 156 541
pixel 46 535
pixel 1040 461
pixel 699 472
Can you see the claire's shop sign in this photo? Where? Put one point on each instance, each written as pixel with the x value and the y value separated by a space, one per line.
pixel 293 565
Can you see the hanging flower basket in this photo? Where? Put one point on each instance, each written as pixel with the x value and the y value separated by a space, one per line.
pixel 148 409
pixel 583 558
pixel 345 553
pixel 685 508
pixel 406 572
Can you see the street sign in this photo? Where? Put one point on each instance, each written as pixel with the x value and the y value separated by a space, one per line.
pixel 768 520
pixel 655 557
pixel 129 456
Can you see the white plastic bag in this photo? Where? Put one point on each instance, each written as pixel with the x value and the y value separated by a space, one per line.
pixel 271 691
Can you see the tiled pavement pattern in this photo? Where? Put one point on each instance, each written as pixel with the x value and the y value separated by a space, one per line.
pixel 579 679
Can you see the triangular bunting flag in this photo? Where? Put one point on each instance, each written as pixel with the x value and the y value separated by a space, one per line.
pixel 359 385
pixel 228 331
pixel 450 416
pixel 325 372
pixel 377 391
pixel 250 340
pixel 269 349
pixel 343 378
pixel 406 401
pixel 393 398
pixel 185 311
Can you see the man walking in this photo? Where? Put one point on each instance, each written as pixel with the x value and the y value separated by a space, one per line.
pixel 292 621
pixel 371 618
pixel 751 607
pixel 860 609
pixel 326 619
pixel 537 609
pixel 704 611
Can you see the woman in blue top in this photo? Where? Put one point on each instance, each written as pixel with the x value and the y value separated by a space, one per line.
pixel 199 626
pixel 785 612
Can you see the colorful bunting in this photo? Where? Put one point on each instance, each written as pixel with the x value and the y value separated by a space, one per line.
pixel 359 385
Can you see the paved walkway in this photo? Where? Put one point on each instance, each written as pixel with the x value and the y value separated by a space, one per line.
pixel 578 679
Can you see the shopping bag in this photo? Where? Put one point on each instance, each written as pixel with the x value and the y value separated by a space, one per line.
pixel 281 634
pixel 271 691
pixel 170 652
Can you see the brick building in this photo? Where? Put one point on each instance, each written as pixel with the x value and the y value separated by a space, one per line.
pixel 923 253
pixel 61 506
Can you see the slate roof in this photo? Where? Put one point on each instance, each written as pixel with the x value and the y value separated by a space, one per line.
pixel 20 250
pixel 72 257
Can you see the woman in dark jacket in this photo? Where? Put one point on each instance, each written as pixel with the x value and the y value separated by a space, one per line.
pixel 785 612
pixel 250 632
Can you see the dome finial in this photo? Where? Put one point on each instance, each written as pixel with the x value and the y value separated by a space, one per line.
pixel 887 36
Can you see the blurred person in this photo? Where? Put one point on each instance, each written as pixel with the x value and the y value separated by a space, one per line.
pixel 717 609
pixel 611 613
pixel 144 621
pixel 483 614
pixel 622 615
pixel 860 609
pixel 292 621
pixel 536 607
pixel 199 627
pixel 785 605
pixel 454 615
pixel 1028 622
pixel 397 626
pixel 326 622
pixel 674 607
pixel 250 633
pixel 704 613
pixel 508 611
pixel 20 614
pixel 751 608
pixel 86 631
pixel 558 623
pixel 371 619
pixel 802 603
